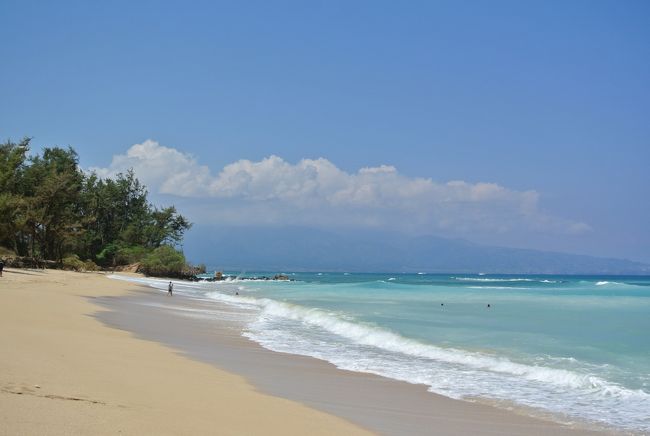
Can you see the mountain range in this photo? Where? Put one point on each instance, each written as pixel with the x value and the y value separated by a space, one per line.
pixel 306 249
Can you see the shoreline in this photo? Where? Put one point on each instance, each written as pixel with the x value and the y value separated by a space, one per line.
pixel 64 372
pixel 382 405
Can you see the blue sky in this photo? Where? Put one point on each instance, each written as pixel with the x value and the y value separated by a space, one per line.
pixel 542 109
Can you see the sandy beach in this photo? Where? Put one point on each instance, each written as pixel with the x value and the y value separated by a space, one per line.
pixel 65 371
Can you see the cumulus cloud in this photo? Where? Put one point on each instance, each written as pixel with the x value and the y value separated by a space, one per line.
pixel 163 169
pixel 317 192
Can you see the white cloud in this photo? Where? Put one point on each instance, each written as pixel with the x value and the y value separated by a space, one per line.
pixel 163 169
pixel 317 192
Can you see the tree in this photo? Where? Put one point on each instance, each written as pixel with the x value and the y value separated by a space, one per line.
pixel 164 261
pixel 166 227
pixel 12 164
pixel 51 209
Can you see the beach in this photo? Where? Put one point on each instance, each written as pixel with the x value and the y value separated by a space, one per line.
pixel 63 372
pixel 89 355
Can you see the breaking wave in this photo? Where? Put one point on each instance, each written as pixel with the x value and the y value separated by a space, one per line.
pixel 485 279
pixel 453 372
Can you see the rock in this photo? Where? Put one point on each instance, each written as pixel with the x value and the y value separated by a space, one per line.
pixel 131 268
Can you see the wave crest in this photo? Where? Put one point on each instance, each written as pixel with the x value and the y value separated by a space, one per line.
pixel 492 279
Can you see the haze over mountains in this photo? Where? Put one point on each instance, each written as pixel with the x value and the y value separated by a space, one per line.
pixel 307 249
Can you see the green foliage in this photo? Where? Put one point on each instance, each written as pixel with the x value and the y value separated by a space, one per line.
pixel 12 161
pixel 5 252
pixel 49 207
pixel 118 253
pixel 12 166
pixel 89 265
pixel 73 262
pixel 132 254
pixel 164 261
pixel 107 255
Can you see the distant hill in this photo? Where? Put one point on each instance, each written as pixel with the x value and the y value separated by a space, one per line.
pixel 304 249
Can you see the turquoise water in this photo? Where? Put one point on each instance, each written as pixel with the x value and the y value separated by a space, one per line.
pixel 575 347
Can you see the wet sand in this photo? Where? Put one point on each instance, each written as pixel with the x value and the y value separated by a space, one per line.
pixel 62 372
pixel 376 403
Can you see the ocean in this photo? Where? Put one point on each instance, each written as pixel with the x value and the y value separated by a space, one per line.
pixel 573 348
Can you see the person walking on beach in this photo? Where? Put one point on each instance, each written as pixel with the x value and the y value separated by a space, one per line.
pixel 2 265
pixel 170 289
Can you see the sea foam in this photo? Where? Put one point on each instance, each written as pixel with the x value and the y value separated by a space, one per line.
pixel 560 384
pixel 485 279
pixel 456 373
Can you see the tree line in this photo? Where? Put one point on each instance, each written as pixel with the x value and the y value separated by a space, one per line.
pixel 52 210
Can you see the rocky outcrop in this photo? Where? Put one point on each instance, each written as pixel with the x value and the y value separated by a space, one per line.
pixel 280 277
pixel 30 262
pixel 132 268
